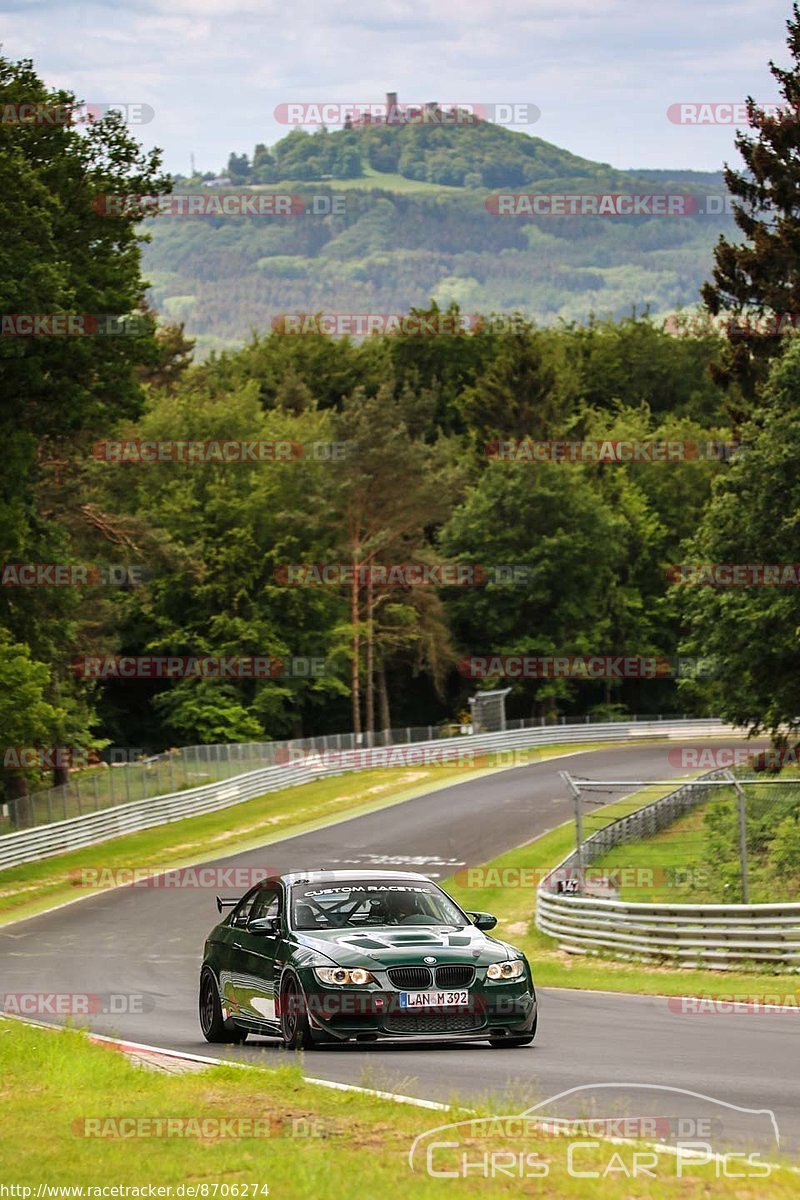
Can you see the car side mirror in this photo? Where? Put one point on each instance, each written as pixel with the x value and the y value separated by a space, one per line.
pixel 482 920
pixel 265 925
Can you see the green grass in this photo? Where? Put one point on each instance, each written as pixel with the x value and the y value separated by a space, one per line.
pixel 312 1142
pixel 674 865
pixel 512 898
pixel 30 888
pixel 386 180
pixel 688 863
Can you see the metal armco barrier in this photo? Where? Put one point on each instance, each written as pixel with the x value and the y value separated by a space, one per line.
pixel 716 935
pixel 30 845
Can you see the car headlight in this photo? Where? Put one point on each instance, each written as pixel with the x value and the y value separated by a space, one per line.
pixel 506 970
pixel 343 977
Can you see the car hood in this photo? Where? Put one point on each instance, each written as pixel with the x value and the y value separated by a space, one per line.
pixel 396 946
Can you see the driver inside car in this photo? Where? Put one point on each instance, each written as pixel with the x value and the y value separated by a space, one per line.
pixel 400 907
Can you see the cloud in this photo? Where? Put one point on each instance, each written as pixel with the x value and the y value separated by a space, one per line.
pixel 602 71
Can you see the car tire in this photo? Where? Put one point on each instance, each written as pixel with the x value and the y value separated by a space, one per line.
pixel 214 1026
pixel 522 1040
pixel 295 1028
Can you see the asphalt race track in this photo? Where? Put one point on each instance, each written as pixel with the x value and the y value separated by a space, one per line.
pixel 148 942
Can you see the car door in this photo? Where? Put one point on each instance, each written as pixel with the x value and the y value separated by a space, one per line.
pixel 254 951
pixel 227 947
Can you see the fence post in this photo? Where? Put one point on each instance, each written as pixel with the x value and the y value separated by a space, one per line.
pixel 576 793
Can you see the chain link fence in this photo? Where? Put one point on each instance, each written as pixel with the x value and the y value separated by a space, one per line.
pixel 95 788
pixel 727 838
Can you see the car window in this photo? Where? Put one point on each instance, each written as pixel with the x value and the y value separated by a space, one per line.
pixel 368 902
pixel 266 904
pixel 241 915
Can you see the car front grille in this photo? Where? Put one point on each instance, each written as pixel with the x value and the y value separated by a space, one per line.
pixel 432 1022
pixel 410 977
pixel 455 976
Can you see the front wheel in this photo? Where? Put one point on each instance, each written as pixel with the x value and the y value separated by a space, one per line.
pixel 295 1029
pixel 214 1026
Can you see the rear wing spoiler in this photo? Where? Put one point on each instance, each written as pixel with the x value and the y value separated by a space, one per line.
pixel 227 902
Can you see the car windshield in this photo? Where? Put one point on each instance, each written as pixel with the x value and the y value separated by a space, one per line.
pixel 367 902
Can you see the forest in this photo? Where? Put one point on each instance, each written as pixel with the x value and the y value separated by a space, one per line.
pixel 355 527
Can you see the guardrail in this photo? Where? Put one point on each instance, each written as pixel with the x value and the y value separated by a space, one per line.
pixel 710 935
pixel 136 776
pixel 29 845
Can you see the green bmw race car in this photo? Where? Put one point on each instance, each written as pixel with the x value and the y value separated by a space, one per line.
pixel 331 956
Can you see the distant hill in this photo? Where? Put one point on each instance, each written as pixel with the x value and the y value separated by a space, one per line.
pixel 404 217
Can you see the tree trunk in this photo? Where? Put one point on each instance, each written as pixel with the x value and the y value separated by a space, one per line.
pixel 383 700
pixel 19 801
pixel 369 666
pixel 356 668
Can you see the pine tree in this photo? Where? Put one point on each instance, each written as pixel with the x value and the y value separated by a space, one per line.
pixel 762 276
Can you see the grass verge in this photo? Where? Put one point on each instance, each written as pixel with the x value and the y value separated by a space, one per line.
pixel 509 891
pixel 309 1141
pixel 697 858
pixel 33 887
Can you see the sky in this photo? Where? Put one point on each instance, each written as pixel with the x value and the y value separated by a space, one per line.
pixel 603 73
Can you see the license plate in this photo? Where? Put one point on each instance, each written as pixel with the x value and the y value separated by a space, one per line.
pixel 435 999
